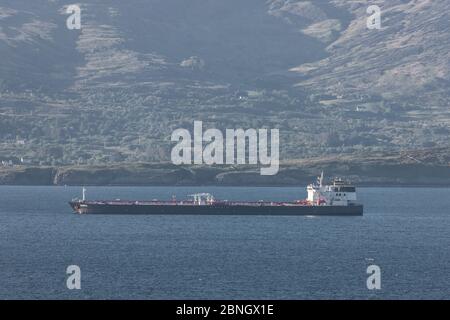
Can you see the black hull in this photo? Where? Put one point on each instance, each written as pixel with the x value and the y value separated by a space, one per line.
pixel 298 210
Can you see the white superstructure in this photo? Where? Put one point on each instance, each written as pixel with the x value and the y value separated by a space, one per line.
pixel 202 198
pixel 339 193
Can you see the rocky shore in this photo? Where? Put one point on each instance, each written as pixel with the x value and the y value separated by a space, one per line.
pixel 381 170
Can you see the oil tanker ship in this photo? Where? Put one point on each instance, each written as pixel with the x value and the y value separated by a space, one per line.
pixel 336 199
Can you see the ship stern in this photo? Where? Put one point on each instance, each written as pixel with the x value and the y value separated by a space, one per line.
pixel 78 207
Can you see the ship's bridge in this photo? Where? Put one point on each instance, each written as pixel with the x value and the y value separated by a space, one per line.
pixel 339 193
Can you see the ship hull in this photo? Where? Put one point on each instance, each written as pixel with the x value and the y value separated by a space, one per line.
pixel 153 209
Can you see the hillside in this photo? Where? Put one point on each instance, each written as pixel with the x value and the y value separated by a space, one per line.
pixel 112 92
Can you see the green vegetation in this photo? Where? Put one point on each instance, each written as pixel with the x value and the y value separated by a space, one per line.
pixel 124 126
pixel 112 93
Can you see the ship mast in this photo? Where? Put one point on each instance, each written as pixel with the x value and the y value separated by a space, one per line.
pixel 84 193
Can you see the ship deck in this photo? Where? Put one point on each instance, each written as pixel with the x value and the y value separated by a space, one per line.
pixel 194 204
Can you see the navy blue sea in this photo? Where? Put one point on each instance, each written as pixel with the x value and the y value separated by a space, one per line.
pixel 405 231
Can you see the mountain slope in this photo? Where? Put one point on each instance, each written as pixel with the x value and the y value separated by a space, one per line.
pixel 408 57
pixel 116 89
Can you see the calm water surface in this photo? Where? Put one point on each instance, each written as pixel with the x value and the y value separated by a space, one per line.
pixel 405 231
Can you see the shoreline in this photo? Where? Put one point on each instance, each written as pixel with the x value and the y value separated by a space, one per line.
pixel 430 186
pixel 362 174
